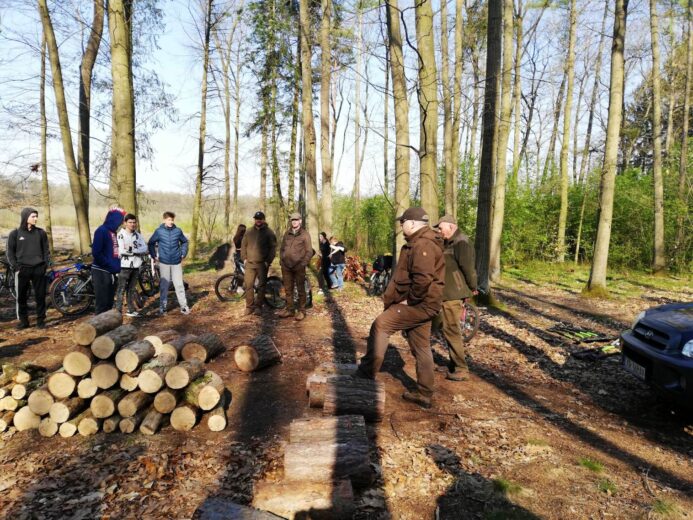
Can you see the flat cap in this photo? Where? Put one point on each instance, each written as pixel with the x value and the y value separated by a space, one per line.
pixel 413 214
pixel 446 218
pixel 295 216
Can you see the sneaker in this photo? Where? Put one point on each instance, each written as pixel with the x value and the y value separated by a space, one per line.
pixel 300 315
pixel 285 313
pixel 22 325
pixel 417 398
pixel 133 314
pixel 185 310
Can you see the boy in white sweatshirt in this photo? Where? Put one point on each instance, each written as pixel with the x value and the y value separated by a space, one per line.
pixel 131 247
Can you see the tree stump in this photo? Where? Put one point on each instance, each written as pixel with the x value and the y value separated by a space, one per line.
pixel 61 384
pixel 355 397
pixel 130 424
pixel 63 411
pixel 47 427
pixel 130 382
pixel 182 374
pixel 87 388
pixel 204 348
pixel 152 422
pixel 26 419
pixel 104 405
pixel 261 352
pixel 184 417
pixel 133 402
pixel 89 425
pixel 152 375
pixel 105 345
pixel 160 338
pixel 205 392
pixel 40 400
pixel 105 375
pixel 324 500
pixel 132 355
pixel 110 424
pixel 78 363
pixel 87 331
pixel 166 400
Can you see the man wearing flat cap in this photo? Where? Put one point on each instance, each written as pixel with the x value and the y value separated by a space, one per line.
pixel 294 254
pixel 412 299
pixel 460 283
pixel 258 248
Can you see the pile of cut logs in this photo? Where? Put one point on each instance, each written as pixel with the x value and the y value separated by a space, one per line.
pixel 113 381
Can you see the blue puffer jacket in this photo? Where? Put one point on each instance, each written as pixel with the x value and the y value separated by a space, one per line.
pixel 173 246
pixel 104 248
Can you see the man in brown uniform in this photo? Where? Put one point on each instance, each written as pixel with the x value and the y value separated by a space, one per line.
pixel 258 248
pixel 411 300
pixel 460 283
pixel 294 254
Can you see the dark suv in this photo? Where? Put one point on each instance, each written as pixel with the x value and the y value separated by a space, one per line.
pixel 658 349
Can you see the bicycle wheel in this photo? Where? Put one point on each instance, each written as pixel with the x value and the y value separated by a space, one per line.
pixel 229 288
pixel 147 282
pixel 273 293
pixel 469 321
pixel 374 285
pixel 72 294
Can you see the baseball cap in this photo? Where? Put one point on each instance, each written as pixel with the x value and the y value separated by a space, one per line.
pixel 446 218
pixel 413 214
pixel 259 215
pixel 295 216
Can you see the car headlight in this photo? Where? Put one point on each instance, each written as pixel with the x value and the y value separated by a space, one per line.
pixel 638 318
pixel 688 349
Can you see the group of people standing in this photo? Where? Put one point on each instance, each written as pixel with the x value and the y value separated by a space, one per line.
pixel 332 262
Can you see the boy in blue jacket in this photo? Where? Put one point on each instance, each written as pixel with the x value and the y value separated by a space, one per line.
pixel 172 248
pixel 106 264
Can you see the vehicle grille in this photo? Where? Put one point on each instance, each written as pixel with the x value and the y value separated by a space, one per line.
pixel 652 337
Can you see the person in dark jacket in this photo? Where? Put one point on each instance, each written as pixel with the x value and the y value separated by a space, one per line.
pixel 258 249
pixel 106 264
pixel 325 261
pixel 29 255
pixel 295 253
pixel 412 299
pixel 238 241
pixel 338 261
pixel 460 283
pixel 168 245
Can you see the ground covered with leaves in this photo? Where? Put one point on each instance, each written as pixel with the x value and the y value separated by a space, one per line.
pixel 539 431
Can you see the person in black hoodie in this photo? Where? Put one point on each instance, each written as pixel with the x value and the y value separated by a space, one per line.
pixel 28 254
pixel 106 264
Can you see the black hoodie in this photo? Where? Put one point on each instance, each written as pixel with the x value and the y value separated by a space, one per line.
pixel 27 247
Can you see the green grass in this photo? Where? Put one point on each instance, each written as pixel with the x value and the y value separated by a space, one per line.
pixel 591 464
pixel 505 486
pixel 606 486
pixel 665 508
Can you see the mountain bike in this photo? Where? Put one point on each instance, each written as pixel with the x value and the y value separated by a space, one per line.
pixel 73 293
pixel 469 320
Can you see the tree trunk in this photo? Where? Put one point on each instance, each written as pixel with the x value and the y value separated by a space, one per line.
pixel 358 160
pixel 104 405
pixel 386 127
pixel 133 402
pixel 166 400
pixel 104 375
pixel 476 75
pixel 328 460
pixel 596 284
pixel 61 384
pixel 550 160
pixel 355 397
pixel 133 355
pixel 152 422
pixel 204 348
pixel 130 424
pixel 291 195
pixel 261 353
pixel 26 419
pixel 85 332
pixel 184 417
pixel 78 362
pixel 236 132
pixel 152 377
pixel 205 392
pixel 517 95
pixel 45 196
pixel 659 260
pixel 87 388
pixel 215 419
pixel 325 65
pixel 63 411
pixel 40 400
pixel 160 338
pixel 448 137
pixel 457 106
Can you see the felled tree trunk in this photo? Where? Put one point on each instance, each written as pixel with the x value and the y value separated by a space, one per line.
pixel 61 384
pixel 182 374
pixel 63 411
pixel 152 422
pixel 355 397
pixel 153 373
pixel 22 390
pixel 87 388
pixel 6 419
pixel 105 375
pixel 69 428
pixel 26 419
pixel 130 424
pixel 130 382
pixel 317 383
pixel 131 356
pixel 261 353
pixel 105 345
pixel 133 402
pixel 104 405
pixel 47 427
pixel 177 344
pixel 110 424
pixel 89 424
pixel 166 400
pixel 87 331
pixel 204 348
pixel 160 338
pixel 205 392
pixel 40 401
pixel 78 362
pixel 184 417
pixel 340 429
pixel 333 500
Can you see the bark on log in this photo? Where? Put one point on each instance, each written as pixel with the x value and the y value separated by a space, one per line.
pixel 25 419
pixel 205 392
pixel 63 411
pixel 325 460
pixel 110 424
pixel 48 427
pixel 316 387
pixel 324 500
pixel 205 347
pixel 130 424
pixel 355 397
pixel 262 352
pixel 105 375
pixel 182 374
pixel 152 375
pixel 131 356
pixel 40 400
pixel 129 382
pixel 86 388
pixel 61 384
pixel 184 417
pixel 133 402
pixel 104 405
pixel 87 331
pixel 340 429
pixel 166 400
pixel 160 338
pixel 89 424
pixel 6 420
pixel 152 422
pixel 78 362
pixel 105 345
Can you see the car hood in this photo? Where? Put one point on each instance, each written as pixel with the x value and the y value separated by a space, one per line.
pixel 671 318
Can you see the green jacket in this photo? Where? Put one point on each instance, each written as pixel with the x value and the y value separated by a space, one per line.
pixel 460 273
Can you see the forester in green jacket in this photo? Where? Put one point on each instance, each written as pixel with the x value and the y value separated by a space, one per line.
pixel 460 283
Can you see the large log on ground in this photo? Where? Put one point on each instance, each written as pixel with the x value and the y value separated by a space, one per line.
pixel 129 382
pixel 87 331
pixel 166 400
pixel 48 427
pixel 105 345
pixel 78 362
pixel 182 374
pixel 63 411
pixel 340 429
pixel 261 352
pixel 205 391
pixel 317 383
pixel 133 403
pixel 355 396
pixel 40 400
pixel 87 388
pixel 61 384
pixel 89 424
pixel 325 460
pixel 216 419
pixel 204 348
pixel 110 424
pixel 160 338
pixel 6 419
pixel 105 375
pixel 104 405
pixel 152 422
pixel 130 424
pixel 25 419
pixel 152 375
pixel 184 417
pixel 316 500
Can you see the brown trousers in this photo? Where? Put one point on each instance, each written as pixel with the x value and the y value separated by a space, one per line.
pixel 252 272
pixel 452 331
pixel 294 277
pixel 417 323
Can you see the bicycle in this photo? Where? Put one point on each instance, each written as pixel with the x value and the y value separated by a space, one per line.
pixel 73 293
pixel 7 279
pixel 380 276
pixel 469 320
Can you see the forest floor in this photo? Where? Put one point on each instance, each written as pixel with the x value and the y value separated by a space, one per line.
pixel 535 432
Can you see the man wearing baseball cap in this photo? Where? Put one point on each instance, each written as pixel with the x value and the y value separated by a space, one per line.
pixel 258 248
pixel 460 283
pixel 294 254
pixel 412 299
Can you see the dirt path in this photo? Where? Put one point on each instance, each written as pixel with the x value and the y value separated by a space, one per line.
pixel 535 433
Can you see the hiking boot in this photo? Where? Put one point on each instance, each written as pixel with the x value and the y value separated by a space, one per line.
pixel 417 398
pixel 133 314
pixel 457 375
pixel 285 313
pixel 248 311
pixel 22 325
pixel 300 315
pixel 41 325
pixel 185 310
